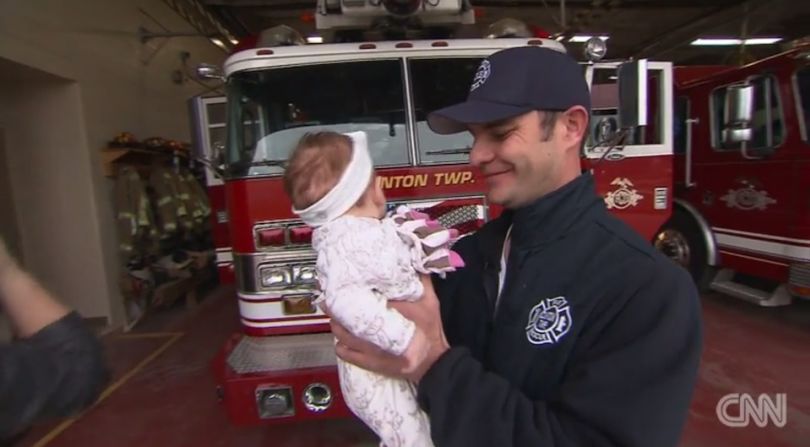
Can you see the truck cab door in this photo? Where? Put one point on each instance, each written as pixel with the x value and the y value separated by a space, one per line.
pixel 742 177
pixel 632 165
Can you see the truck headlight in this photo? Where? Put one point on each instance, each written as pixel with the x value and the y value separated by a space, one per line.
pixel 317 397
pixel 276 276
pixel 595 49
pixel 305 275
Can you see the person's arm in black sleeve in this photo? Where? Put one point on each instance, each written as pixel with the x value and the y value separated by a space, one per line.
pixel 56 372
pixel 56 366
pixel 630 387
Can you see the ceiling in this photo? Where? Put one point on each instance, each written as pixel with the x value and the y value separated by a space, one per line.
pixel 656 29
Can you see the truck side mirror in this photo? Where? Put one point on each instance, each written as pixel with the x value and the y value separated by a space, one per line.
pixel 738 111
pixel 218 155
pixel 633 94
pixel 207 72
pixel 217 160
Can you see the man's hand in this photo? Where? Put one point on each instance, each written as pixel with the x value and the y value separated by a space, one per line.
pixel 429 340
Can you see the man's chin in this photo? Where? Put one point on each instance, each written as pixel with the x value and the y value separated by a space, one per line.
pixel 493 197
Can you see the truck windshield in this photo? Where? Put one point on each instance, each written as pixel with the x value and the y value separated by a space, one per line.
pixel 277 106
pixel 270 109
pixel 438 83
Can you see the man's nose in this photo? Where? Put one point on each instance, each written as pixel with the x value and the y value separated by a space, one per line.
pixel 480 154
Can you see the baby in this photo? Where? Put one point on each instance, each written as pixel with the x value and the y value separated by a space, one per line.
pixel 365 258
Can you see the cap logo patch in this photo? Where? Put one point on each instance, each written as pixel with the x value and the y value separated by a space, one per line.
pixel 481 75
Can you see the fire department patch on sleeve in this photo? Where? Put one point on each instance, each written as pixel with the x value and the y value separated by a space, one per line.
pixel 549 321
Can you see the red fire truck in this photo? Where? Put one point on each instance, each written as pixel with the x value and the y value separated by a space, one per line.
pixel 281 367
pixel 741 219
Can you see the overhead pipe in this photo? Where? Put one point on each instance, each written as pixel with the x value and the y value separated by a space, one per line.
pixel 717 18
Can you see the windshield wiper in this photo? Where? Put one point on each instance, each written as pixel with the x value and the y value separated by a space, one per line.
pixel 242 165
pixel 460 150
pixel 268 163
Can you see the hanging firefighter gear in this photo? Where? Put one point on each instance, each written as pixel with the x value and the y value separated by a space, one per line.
pixel 199 198
pixel 135 221
pixel 182 204
pixel 162 217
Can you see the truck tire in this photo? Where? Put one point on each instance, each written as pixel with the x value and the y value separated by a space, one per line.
pixel 681 240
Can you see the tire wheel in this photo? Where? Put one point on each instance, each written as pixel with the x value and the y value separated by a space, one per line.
pixel 680 240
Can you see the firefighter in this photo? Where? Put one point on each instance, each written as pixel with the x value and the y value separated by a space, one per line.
pixel 565 328
pixel 55 367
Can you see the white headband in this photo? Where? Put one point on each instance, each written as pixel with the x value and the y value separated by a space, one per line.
pixel 349 189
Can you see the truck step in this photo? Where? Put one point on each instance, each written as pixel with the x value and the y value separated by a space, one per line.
pixel 724 283
pixel 283 353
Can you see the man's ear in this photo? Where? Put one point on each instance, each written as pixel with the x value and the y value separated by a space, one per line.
pixel 575 121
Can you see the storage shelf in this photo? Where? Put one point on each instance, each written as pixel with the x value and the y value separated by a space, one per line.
pixel 110 156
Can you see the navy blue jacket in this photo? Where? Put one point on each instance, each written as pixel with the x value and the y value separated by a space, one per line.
pixel 596 340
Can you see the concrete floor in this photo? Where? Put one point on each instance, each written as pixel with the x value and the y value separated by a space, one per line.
pixel 163 394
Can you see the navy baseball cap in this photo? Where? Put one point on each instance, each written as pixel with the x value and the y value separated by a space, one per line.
pixel 512 82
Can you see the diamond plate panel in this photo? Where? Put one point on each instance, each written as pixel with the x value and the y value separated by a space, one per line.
pixel 279 353
pixel 459 216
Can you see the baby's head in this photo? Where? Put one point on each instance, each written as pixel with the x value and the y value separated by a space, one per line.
pixel 316 166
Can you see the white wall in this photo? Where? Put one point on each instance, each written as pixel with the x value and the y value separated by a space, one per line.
pixel 51 191
pixel 111 82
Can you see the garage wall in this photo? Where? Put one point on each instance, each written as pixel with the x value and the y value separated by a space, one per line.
pixel 50 189
pixel 104 80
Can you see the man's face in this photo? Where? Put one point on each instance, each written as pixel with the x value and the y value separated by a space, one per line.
pixel 518 161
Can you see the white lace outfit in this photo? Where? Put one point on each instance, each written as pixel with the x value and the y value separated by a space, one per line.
pixel 361 263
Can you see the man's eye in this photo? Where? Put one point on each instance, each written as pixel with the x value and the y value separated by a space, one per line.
pixel 501 135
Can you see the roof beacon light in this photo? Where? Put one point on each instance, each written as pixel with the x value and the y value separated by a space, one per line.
pixel 508 27
pixel 279 36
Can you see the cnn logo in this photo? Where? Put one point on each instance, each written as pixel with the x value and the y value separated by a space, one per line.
pixel 738 409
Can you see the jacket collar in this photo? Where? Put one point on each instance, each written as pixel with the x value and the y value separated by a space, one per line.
pixel 544 220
